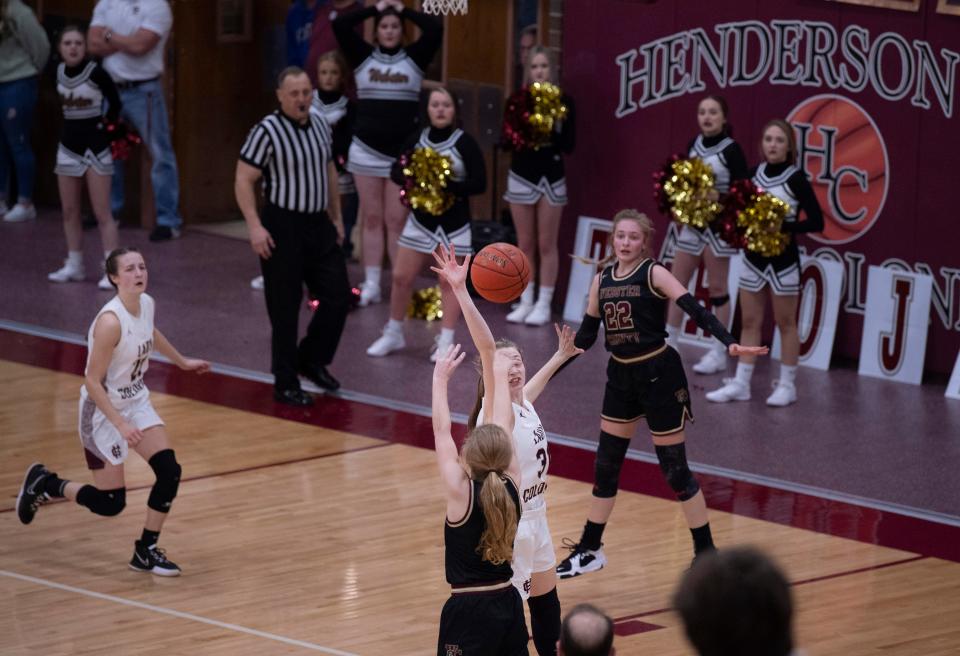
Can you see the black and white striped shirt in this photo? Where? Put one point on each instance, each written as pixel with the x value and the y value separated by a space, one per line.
pixel 293 158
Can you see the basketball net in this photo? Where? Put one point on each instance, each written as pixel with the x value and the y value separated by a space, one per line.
pixel 444 6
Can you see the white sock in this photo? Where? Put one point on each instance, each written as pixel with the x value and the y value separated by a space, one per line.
pixel 75 258
pixel 788 373
pixel 546 295
pixel 394 326
pixel 447 335
pixel 526 298
pixel 372 275
pixel 744 373
pixel 673 335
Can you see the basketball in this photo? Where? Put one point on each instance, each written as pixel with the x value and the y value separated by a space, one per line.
pixel 500 272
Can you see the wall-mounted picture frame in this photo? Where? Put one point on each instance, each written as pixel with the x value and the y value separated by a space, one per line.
pixel 948 7
pixel 902 5
pixel 234 21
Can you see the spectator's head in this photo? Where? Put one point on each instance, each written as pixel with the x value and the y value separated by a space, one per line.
pixel 72 45
pixel 388 28
pixel 294 93
pixel 586 631
pixel 736 602
pixel 528 39
pixel 442 108
pixel 539 66
pixel 712 115
pixel 331 71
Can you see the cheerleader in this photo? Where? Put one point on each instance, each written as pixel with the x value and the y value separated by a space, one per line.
pixel 425 232
pixel 778 175
pixel 533 554
pixel 84 150
pixel 715 147
pixel 537 192
pixel 484 614
pixel 388 78
pixel 645 379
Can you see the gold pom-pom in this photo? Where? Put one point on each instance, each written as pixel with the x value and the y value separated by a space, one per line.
pixel 426 172
pixel 547 109
pixel 425 304
pixel 686 191
pixel 761 221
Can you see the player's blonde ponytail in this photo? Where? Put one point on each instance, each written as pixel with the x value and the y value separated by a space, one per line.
pixel 487 453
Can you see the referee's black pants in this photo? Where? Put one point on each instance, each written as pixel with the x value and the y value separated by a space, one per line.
pixel 306 251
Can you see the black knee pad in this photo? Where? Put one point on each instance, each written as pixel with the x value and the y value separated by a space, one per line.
pixel 611 452
pixel 108 503
pixel 673 464
pixel 719 301
pixel 164 464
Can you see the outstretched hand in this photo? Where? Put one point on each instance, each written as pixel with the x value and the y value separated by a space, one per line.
pixel 193 364
pixel 448 268
pixel 565 337
pixel 448 362
pixel 736 350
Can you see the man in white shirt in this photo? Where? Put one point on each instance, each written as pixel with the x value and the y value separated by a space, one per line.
pixel 131 35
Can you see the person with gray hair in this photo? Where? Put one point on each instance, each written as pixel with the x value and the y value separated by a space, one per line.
pixel 586 631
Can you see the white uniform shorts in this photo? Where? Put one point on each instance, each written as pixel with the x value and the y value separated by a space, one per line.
pixel 532 549
pixel 74 165
pixel 693 241
pixel 102 439
pixel 785 282
pixel 523 192
pixel 417 238
pixel 364 160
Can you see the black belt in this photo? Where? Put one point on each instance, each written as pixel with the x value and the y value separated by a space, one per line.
pixel 129 84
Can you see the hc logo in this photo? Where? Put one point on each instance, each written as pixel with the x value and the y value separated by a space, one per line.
pixel 844 155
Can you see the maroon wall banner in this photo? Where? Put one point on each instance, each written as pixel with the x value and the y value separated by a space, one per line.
pixel 871 93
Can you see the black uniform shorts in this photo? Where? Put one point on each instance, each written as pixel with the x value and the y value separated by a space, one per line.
pixel 654 387
pixel 483 624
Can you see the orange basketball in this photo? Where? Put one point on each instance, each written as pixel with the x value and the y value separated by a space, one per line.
pixel 500 272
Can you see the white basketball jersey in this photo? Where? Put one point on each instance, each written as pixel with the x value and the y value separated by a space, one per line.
pixel 447 149
pixel 530 441
pixel 80 97
pixel 388 77
pixel 332 112
pixel 131 357
pixel 713 157
pixel 777 186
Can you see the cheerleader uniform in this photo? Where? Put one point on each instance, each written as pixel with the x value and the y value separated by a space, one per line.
pixel 423 232
pixel 725 157
pixel 340 113
pixel 540 173
pixel 84 141
pixel 484 614
pixel 782 272
pixel 388 89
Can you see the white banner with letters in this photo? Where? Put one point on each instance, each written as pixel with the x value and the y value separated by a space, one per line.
pixel 895 325
pixel 953 387
pixel 821 284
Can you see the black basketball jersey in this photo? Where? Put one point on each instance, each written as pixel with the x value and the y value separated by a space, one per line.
pixel 632 311
pixel 464 565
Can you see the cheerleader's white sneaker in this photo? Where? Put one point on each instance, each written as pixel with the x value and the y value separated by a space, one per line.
pixel 711 363
pixel 369 293
pixel 104 284
pixel 69 272
pixel 539 315
pixel 440 346
pixel 520 312
pixel 733 390
pixel 19 213
pixel 387 343
pixel 784 394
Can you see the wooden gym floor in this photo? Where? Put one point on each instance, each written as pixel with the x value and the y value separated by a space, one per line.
pixel 298 538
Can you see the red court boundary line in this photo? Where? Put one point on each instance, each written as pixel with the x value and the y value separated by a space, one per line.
pixel 798 510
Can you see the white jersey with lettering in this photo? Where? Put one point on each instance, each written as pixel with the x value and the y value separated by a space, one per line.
pixel 713 155
pixel 388 77
pixel 777 186
pixel 124 382
pixel 530 441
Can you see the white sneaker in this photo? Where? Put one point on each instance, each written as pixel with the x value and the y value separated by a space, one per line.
pixel 733 390
pixel 369 293
pixel 19 213
pixel 387 343
pixel 520 312
pixel 580 561
pixel 539 316
pixel 440 346
pixel 69 272
pixel 104 284
pixel 257 283
pixel 711 363
pixel 3 208
pixel 783 394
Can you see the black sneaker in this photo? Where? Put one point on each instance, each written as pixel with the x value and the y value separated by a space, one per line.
pixel 580 561
pixel 164 233
pixel 153 560
pixel 31 495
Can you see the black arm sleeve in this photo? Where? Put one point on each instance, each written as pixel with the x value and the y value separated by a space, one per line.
pixel 354 48
pixel 736 162
pixel 423 49
pixel 587 333
pixel 475 181
pixel 109 90
pixel 567 137
pixel 705 319
pixel 802 189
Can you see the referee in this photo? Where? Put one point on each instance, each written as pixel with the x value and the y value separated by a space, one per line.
pixel 297 236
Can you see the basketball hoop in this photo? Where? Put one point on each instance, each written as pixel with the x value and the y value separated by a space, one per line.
pixel 443 7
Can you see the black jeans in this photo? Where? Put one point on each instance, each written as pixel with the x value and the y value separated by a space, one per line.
pixel 306 252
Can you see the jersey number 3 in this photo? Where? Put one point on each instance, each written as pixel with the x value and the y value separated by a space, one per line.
pixel 616 316
pixel 544 460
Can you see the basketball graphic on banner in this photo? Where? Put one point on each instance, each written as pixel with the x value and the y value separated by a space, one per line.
pixel 845 157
